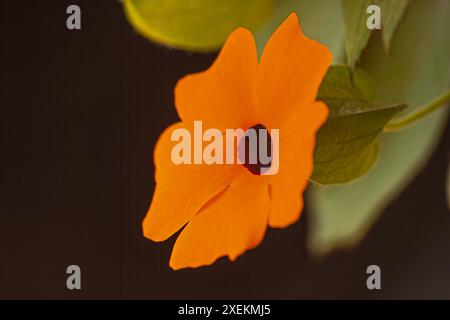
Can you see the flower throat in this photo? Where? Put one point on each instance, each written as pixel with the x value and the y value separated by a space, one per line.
pixel 257 159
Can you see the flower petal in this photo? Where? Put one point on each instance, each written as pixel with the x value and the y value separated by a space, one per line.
pixel 298 139
pixel 290 72
pixel 297 142
pixel 224 95
pixel 286 201
pixel 181 190
pixel 232 224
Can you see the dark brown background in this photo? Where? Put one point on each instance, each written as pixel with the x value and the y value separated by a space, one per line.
pixel 81 111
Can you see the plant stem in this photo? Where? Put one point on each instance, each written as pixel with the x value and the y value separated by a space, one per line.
pixel 421 113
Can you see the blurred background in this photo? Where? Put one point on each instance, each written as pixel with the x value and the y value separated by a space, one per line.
pixel 81 112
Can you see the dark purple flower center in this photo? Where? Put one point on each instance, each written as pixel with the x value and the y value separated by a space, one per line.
pixel 255 149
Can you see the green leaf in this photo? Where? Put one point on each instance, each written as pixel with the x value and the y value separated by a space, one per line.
pixel 416 71
pixel 348 168
pixel 346 145
pixel 357 34
pixel 200 25
pixel 391 15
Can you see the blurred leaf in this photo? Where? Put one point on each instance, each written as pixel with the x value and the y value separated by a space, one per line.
pixel 417 70
pixel 321 20
pixel 391 14
pixel 346 145
pixel 357 34
pixel 200 25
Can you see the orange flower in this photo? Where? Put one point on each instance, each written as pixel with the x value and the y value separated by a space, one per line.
pixel 226 208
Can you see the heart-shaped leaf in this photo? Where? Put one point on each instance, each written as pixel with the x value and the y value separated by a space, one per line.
pixel 346 145
pixel 200 25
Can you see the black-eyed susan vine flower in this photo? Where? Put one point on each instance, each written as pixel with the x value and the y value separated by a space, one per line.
pixel 226 208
